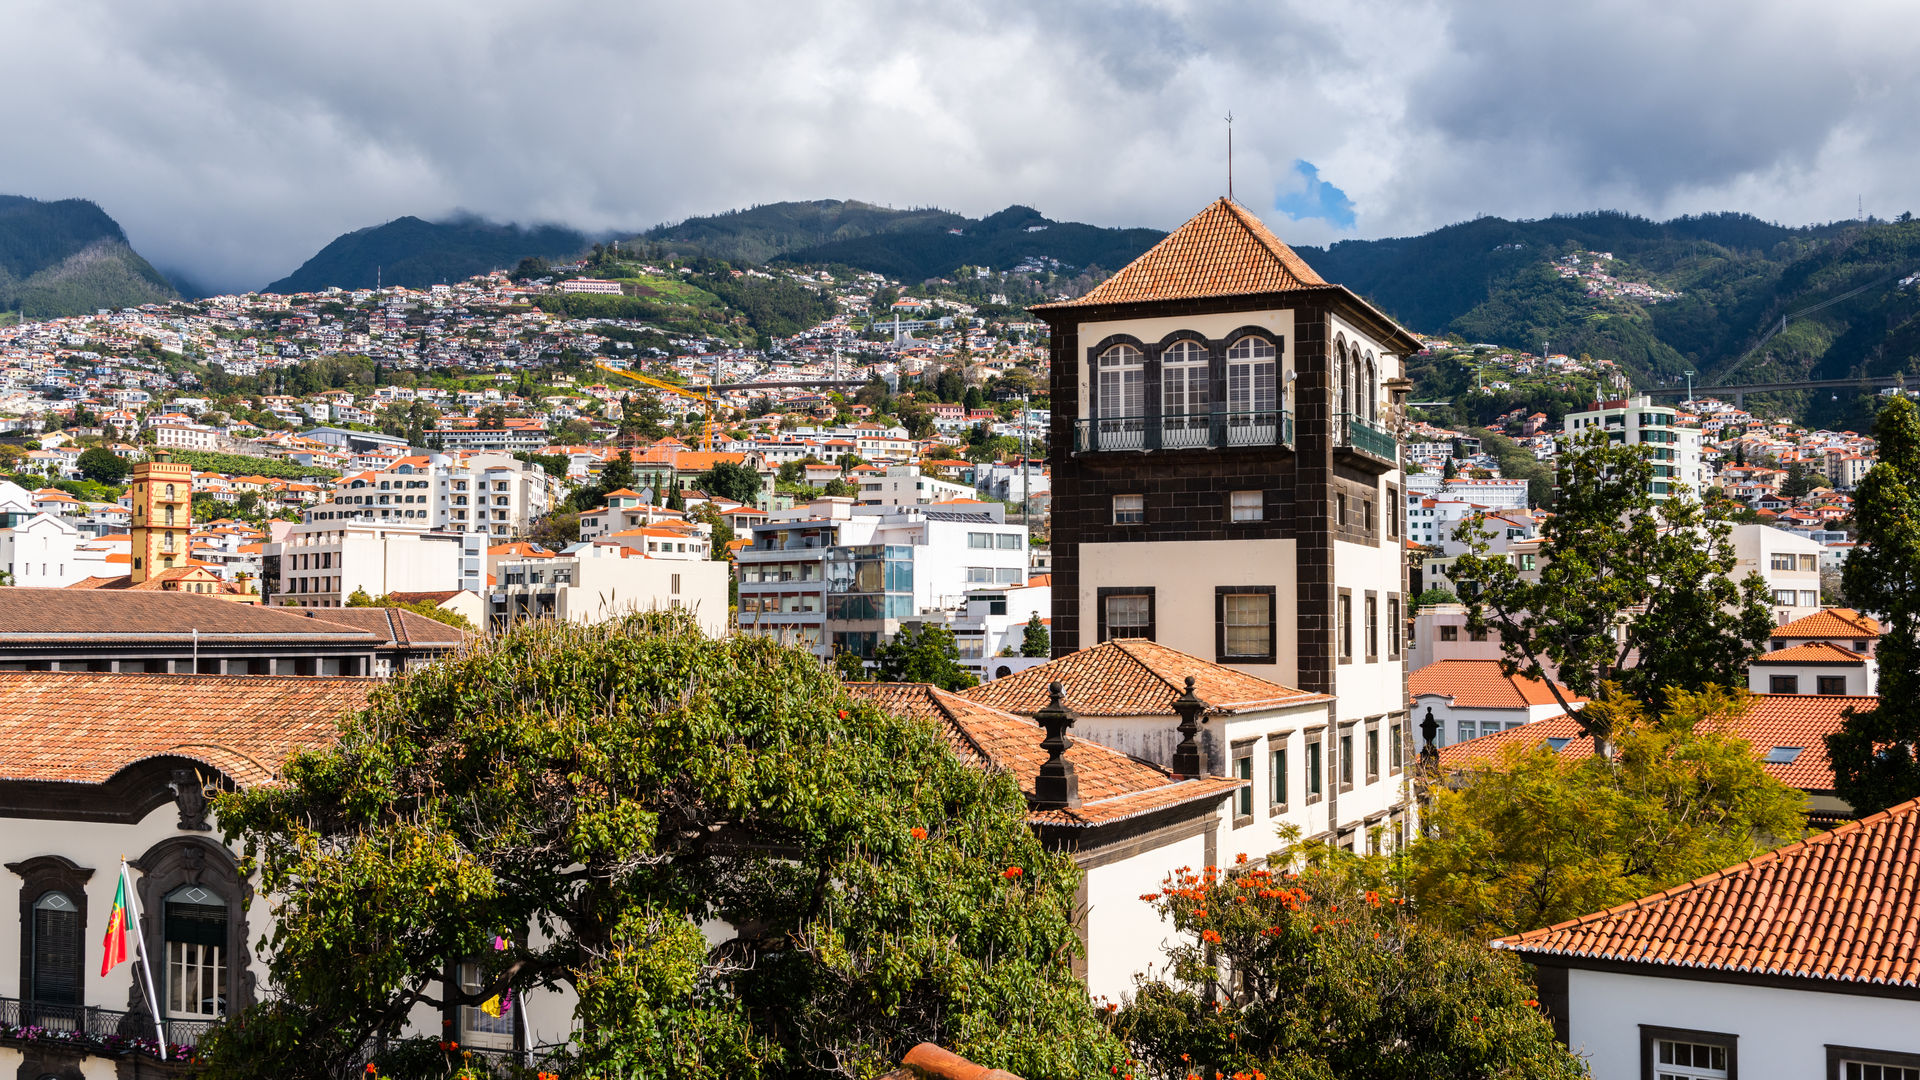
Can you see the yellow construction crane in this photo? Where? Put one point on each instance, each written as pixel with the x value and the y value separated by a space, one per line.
pixel 703 395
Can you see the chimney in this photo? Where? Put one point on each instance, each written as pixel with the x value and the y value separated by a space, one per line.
pixel 1057 787
pixel 1188 763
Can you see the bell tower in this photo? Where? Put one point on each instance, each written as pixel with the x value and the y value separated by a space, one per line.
pixel 162 495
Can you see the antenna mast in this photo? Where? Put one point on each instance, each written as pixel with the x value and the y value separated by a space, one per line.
pixel 1229 155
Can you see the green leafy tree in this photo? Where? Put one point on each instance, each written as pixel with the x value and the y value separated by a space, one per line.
pixel 1434 595
pixel 359 598
pixel 103 466
pixel 1630 589
pixel 596 796
pixel 1036 641
pixel 925 653
pixel 1876 752
pixel 1332 977
pixel 731 480
pixel 1536 837
pixel 715 520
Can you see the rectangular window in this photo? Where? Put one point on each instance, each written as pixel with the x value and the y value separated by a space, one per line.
pixel 1246 506
pixel 1340 509
pixel 479 1027
pixel 1344 618
pixel 977 575
pixel 1393 748
pixel 1126 615
pixel 1394 629
pixel 1315 786
pixel 1783 684
pixel 1373 627
pixel 1449 633
pixel 1832 684
pixel 1243 771
pixel 1809 563
pixel 1856 1063
pixel 1786 597
pixel 1809 598
pixel 1782 562
pixel 1277 779
pixel 1393 512
pixel 674 583
pixel 1346 760
pixel 1244 617
pixel 1129 509
pixel 1373 754
pixel 1007 541
pixel 1690 1058
pixel 979 540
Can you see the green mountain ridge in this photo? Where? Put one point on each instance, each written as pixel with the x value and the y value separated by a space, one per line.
pixel 1492 280
pixel 909 245
pixel 417 253
pixel 68 257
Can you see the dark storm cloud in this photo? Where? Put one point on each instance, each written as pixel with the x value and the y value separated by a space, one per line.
pixel 234 139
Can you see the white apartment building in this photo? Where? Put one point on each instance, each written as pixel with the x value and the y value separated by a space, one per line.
pixel 185 437
pixel 836 577
pixel 594 581
pixel 906 485
pixel 43 551
pixel 1789 563
pixel 1498 493
pixel 491 493
pixel 1637 421
pixel 320 564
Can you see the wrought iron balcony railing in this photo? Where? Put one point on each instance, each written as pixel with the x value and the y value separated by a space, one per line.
pixel 1184 431
pixel 1368 437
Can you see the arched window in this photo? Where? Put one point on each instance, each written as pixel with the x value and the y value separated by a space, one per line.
pixel 54 980
pixel 1185 403
pixel 1253 391
pixel 1342 405
pixel 196 936
pixel 1372 390
pixel 1122 398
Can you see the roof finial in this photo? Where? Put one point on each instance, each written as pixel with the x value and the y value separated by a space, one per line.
pixel 1057 786
pixel 1186 756
pixel 1229 155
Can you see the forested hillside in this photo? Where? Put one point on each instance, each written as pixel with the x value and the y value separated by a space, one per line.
pixel 1726 279
pixel 69 258
pixel 415 253
pixel 909 245
pixel 761 233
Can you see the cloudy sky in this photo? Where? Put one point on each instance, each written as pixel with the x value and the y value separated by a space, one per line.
pixel 233 140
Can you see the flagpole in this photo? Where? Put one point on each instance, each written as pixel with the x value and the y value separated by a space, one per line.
pixel 146 961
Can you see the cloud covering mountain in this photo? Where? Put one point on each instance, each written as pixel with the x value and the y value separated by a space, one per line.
pixel 232 140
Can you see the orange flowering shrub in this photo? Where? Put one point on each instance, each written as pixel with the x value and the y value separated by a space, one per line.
pixel 1325 972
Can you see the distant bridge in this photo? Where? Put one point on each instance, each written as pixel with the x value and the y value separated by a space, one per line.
pixel 1740 392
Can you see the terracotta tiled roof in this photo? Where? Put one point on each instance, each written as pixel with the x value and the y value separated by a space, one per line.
pixel 1813 652
pixel 83 727
pixel 1112 785
pixel 396 626
pixel 1840 906
pixel 1801 721
pixel 1135 677
pixel 1479 684
pixel 1222 251
pixel 1830 623
pixel 124 615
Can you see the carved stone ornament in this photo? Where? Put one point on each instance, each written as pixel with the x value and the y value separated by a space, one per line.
pixel 190 795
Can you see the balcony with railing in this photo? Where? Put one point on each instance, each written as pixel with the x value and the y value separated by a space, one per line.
pixel 1185 431
pixel 83 1028
pixel 1367 441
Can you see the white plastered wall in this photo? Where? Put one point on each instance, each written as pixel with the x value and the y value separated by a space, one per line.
pixel 1782 1033
pixel 1183 576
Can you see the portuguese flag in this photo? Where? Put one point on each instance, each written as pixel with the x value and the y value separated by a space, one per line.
pixel 116 943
